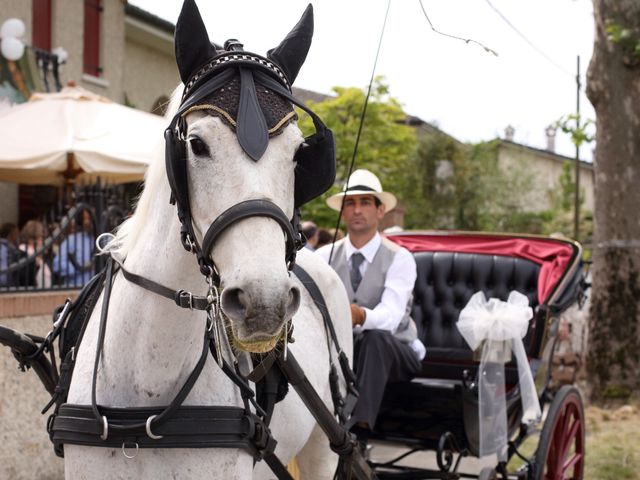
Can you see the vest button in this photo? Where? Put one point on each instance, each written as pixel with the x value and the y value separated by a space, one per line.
pixel 355 300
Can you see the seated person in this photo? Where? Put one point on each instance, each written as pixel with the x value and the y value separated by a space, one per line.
pixel 73 264
pixel 31 241
pixel 379 277
pixel 9 256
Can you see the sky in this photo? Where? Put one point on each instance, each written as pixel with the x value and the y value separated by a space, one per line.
pixel 456 85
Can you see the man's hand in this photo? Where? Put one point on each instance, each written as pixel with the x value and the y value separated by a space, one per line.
pixel 358 315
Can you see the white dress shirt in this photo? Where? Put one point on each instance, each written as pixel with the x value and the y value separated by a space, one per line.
pixel 398 287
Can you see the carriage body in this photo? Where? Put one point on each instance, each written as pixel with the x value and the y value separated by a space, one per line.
pixel 438 410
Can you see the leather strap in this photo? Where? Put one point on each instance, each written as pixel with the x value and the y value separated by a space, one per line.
pixel 343 405
pixel 251 130
pixel 248 209
pixel 162 417
pixel 182 298
pixel 189 427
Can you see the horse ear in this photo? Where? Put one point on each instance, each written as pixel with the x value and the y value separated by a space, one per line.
pixel 193 48
pixel 292 51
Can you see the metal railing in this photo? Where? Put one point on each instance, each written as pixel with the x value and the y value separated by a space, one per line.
pixel 62 254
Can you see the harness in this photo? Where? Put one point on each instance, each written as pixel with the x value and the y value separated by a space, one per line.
pixel 177 425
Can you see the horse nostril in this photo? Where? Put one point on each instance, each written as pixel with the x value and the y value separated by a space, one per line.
pixel 293 302
pixel 234 302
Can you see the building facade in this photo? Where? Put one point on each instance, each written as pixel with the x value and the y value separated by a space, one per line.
pixel 114 49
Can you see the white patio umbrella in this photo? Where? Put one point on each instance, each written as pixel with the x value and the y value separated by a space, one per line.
pixel 76 134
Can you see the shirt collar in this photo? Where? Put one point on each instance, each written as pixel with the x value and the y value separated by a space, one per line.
pixel 369 250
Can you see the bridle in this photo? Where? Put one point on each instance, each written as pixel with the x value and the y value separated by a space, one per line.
pixel 316 154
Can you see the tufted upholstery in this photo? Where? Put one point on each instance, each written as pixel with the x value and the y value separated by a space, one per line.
pixel 443 398
pixel 443 287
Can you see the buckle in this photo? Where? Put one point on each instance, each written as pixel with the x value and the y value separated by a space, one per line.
pixel 188 244
pixel 184 299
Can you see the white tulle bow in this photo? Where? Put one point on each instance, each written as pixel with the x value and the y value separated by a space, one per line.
pixel 499 327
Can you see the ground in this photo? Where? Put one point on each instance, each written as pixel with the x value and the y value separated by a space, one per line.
pixel 612 449
pixel 613 443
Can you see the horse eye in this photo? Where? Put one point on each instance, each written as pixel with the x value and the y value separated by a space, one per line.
pixel 198 147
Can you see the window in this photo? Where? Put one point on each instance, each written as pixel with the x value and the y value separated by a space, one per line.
pixel 41 24
pixel 92 14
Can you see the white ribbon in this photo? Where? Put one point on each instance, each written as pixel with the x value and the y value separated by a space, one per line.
pixel 500 327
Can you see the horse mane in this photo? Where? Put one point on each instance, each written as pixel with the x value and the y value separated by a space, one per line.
pixel 129 231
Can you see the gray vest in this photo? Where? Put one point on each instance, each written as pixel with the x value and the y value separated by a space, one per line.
pixel 370 290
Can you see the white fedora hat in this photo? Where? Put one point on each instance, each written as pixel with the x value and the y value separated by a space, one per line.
pixel 363 182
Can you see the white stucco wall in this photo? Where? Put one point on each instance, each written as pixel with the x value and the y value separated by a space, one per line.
pixel 546 169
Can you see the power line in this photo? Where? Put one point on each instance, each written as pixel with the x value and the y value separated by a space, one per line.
pixel 465 40
pixel 362 115
pixel 529 42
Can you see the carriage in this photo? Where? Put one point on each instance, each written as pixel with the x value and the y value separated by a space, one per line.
pixel 438 411
pixel 156 370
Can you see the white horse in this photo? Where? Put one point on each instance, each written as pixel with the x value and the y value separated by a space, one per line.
pixel 151 345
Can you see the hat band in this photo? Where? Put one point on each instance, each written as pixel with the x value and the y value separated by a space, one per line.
pixel 361 187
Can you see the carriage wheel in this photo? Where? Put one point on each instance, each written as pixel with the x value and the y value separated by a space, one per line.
pixel 560 453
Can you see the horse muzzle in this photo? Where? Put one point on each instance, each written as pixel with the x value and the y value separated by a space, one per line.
pixel 257 320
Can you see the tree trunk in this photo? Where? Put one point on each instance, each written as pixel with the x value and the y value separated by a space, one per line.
pixel 613 87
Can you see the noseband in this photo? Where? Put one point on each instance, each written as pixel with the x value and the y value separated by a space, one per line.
pixel 254 208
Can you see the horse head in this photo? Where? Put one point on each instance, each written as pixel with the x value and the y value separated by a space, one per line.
pixel 239 167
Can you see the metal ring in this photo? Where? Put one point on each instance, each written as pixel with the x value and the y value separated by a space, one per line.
pixel 110 236
pixel 124 449
pixel 213 296
pixel 148 428
pixel 105 428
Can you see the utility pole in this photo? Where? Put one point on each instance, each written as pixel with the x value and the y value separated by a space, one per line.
pixel 576 197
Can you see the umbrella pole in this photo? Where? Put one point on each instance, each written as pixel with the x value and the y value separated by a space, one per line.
pixel 70 175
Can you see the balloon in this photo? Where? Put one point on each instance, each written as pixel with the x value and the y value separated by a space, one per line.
pixel 12 28
pixel 62 54
pixel 12 48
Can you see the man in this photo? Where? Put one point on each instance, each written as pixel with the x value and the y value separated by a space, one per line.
pixel 10 254
pixel 8 240
pixel 310 230
pixel 73 263
pixel 379 277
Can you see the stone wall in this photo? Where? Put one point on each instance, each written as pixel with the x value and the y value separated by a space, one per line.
pixel 26 451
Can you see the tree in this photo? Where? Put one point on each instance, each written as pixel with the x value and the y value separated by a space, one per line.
pixel 462 186
pixel 613 87
pixel 385 146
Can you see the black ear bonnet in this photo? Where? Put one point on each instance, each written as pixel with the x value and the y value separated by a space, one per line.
pixel 252 95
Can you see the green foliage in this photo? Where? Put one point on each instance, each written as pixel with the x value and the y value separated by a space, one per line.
pixel 627 38
pixel 561 214
pixel 461 186
pixel 443 183
pixel 385 145
pixel 567 189
pixel 573 126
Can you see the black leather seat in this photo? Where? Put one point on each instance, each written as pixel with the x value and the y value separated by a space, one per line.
pixel 445 283
pixel 436 401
